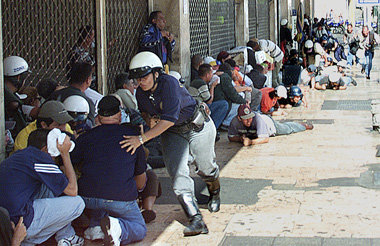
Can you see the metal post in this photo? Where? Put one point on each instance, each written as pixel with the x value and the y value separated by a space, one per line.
pixel 101 46
pixel 2 111
pixel 209 27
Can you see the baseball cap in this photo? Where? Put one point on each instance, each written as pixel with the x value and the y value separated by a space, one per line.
pixel 244 112
pixel 108 106
pixel 55 110
pixel 334 77
pixel 281 91
pixel 210 60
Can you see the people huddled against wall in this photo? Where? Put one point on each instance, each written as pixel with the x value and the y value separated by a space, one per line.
pixel 57 132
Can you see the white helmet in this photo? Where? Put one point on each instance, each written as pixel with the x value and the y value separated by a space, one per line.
pixel 281 91
pixel 334 77
pixel 177 75
pixel 143 64
pixel 15 65
pixel 76 104
pixel 284 22
pixel 309 44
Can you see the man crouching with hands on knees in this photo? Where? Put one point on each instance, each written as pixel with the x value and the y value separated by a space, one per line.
pixel 184 126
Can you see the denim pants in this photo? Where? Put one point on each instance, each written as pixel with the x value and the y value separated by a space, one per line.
pixel 53 216
pixel 367 62
pixel 347 80
pixel 176 149
pixel 219 110
pixel 287 128
pixel 350 58
pixel 233 112
pixel 132 223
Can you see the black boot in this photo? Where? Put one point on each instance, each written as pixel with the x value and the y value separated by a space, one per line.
pixel 190 206
pixel 214 199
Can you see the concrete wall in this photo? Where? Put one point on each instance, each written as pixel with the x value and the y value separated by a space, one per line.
pixel 273 21
pixel 241 22
pixel 176 13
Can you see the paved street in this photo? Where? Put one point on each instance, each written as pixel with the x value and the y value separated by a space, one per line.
pixel 310 188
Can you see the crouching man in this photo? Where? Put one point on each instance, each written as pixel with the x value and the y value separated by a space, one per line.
pixel 30 183
pixel 111 178
pixel 252 128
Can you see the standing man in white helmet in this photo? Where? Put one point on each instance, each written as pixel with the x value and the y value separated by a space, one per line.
pixel 308 54
pixel 285 35
pixel 15 73
pixel 184 127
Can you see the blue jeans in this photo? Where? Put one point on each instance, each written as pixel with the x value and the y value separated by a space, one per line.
pixel 287 128
pixel 132 223
pixel 53 216
pixel 350 58
pixel 367 62
pixel 176 148
pixel 233 112
pixel 219 111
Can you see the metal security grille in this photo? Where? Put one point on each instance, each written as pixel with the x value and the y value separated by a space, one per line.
pixel 252 19
pixel 199 35
pixel 263 19
pixel 222 26
pixel 43 33
pixel 354 105
pixel 125 19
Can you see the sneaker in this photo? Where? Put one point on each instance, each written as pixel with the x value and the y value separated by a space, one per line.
pixel 223 128
pixel 363 71
pixel 354 82
pixel 71 241
pixel 112 231
pixel 368 77
pixel 148 215
pixel 94 233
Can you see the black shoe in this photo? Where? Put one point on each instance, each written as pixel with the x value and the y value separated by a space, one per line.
pixel 196 227
pixel 148 215
pixel 368 77
pixel 363 70
pixel 354 82
pixel 217 137
pixel 214 199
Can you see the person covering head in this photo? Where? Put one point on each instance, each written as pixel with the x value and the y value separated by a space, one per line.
pixel 334 77
pixel 245 112
pixel 56 111
pixel 108 106
pixel 281 91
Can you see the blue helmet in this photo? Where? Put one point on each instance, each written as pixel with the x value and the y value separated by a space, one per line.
pixel 295 91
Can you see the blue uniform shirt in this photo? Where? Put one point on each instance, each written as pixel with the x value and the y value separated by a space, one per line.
pixel 108 171
pixel 21 176
pixel 171 101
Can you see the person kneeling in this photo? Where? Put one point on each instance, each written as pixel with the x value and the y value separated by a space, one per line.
pixel 252 128
pixel 111 178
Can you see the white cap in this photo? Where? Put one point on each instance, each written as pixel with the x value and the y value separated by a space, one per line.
pixel 281 91
pixel 175 74
pixel 284 22
pixel 210 60
pixel 334 77
pixel 309 44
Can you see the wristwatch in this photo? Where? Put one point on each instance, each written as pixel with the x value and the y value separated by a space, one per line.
pixel 141 139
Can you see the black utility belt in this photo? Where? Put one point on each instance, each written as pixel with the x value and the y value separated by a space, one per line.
pixel 195 123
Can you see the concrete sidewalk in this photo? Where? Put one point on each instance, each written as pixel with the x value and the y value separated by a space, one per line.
pixel 312 188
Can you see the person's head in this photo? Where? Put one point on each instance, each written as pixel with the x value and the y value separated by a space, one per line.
pixel 232 62
pixel 253 44
pixel 86 36
pixel 145 67
pixel 295 94
pixel 293 53
pixel 330 61
pixel 284 22
pixel 16 70
pixel 350 28
pixel 319 27
pixel 33 98
pixel 196 61
pixel 258 68
pixel 122 81
pixel 109 110
pixel 38 139
pixel 80 75
pixel 334 79
pixel 225 67
pixel 53 115
pixel 6 227
pixel 78 108
pixel 245 115
pixel 205 72
pixel 46 87
pixel 324 39
pixel 211 60
pixel 281 92
pixel 157 18
pixel 222 56
pixel 365 31
pixel 341 66
pixel 309 46
pixel 311 69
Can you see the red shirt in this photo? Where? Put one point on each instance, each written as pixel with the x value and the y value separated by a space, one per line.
pixel 266 102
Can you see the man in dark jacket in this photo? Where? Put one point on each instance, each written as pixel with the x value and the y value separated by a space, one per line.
pixel 155 39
